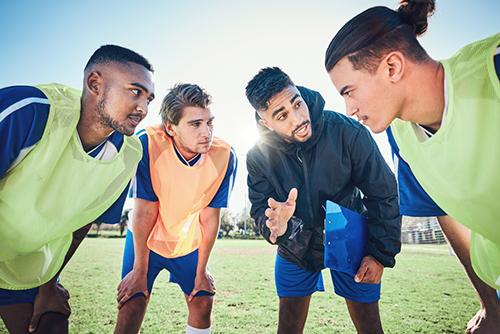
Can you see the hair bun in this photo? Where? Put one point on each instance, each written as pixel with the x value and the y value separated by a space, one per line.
pixel 416 12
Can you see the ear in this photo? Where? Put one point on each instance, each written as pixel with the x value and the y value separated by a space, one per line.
pixel 263 122
pixel 94 82
pixel 169 127
pixel 394 66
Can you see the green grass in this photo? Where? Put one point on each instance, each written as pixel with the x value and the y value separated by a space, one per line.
pixel 427 292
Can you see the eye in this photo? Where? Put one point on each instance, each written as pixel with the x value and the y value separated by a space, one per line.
pixel 298 104
pixel 136 91
pixel 347 93
pixel 282 116
pixel 210 123
pixel 195 125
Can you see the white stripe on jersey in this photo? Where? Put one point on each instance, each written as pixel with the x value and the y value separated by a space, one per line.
pixel 20 104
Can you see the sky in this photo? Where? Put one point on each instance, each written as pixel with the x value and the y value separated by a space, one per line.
pixel 219 45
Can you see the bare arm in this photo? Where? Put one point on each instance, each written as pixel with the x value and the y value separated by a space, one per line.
pixel 209 222
pixel 143 220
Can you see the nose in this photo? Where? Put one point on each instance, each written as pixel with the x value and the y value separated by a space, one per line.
pixel 206 131
pixel 351 110
pixel 298 118
pixel 142 107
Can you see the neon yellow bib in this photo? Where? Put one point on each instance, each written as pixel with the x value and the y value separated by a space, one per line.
pixel 459 167
pixel 56 189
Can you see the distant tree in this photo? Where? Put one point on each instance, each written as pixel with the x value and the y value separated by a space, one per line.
pixel 226 222
pixel 247 225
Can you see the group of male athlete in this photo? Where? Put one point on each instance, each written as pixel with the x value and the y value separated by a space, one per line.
pixel 70 158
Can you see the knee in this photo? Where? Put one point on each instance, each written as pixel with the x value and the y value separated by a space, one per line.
pixel 201 307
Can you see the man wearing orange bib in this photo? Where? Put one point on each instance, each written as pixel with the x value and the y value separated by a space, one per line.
pixel 183 180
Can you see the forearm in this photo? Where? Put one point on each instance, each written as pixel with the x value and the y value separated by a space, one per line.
pixel 144 218
pixel 209 224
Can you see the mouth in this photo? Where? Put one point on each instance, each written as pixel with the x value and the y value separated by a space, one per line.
pixel 134 120
pixel 302 130
pixel 362 119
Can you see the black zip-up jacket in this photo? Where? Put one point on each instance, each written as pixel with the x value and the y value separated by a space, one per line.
pixel 341 163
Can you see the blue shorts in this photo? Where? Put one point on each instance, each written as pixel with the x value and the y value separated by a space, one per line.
pixel 293 281
pixel 9 297
pixel 182 269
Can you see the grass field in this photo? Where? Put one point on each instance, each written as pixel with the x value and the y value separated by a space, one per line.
pixel 427 292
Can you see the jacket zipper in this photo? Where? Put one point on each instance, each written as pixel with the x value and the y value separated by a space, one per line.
pixel 306 181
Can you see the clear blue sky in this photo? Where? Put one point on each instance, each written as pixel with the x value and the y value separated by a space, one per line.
pixel 217 44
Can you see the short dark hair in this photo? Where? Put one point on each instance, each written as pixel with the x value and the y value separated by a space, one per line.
pixel 180 96
pixel 114 53
pixel 372 34
pixel 267 83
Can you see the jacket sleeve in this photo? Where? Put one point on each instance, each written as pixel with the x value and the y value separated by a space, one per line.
pixel 259 191
pixel 371 174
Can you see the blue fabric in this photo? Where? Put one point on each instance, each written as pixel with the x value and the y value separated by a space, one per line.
pixel 413 200
pixel 9 297
pixel 182 269
pixel 345 286
pixel 24 126
pixel 345 238
pixel 293 281
pixel 142 186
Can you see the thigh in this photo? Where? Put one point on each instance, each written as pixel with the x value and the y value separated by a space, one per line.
pixel 155 263
pixel 346 287
pixel 183 272
pixel 16 317
pixel 294 281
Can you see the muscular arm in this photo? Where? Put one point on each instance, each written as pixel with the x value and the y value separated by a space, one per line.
pixel 143 220
pixel 209 223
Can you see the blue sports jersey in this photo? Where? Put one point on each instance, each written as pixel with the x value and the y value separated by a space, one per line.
pixel 143 188
pixel 24 111
pixel 413 200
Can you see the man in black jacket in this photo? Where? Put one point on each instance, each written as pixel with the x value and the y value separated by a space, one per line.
pixel 306 156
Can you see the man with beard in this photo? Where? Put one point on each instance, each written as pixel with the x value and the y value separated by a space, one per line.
pixel 183 180
pixel 67 159
pixel 306 156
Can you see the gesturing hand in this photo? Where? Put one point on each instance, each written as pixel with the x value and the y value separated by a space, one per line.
pixel 278 214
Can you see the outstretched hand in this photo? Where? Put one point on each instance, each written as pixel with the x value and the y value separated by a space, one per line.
pixel 279 213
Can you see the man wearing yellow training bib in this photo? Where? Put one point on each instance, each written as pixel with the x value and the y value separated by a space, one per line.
pixel 444 118
pixel 67 160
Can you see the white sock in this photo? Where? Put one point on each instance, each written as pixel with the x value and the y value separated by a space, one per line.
pixel 192 330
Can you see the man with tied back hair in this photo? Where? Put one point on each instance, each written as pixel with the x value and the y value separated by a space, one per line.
pixel 183 180
pixel 67 160
pixel 307 155
pixel 443 118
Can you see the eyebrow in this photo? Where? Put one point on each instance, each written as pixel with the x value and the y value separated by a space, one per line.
pixel 200 120
pixel 141 86
pixel 277 111
pixel 343 89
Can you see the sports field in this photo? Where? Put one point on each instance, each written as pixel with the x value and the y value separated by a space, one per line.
pixel 427 292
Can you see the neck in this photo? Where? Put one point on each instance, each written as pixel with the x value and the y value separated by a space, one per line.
pixel 425 104
pixel 187 155
pixel 89 127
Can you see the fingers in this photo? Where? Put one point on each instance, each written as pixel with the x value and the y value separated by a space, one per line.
pixel 362 272
pixel 292 196
pixel 272 203
pixel 192 294
pixel 34 322
pixel 273 229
